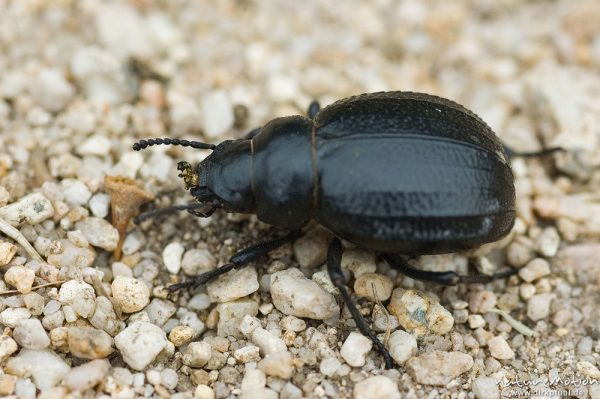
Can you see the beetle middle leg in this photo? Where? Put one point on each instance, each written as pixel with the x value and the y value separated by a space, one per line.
pixel 240 259
pixel 334 261
pixel 443 278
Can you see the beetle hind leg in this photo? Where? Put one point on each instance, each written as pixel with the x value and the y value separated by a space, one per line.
pixel 334 260
pixel 239 260
pixel 443 278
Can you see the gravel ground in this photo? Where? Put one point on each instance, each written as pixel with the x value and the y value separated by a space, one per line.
pixel 80 82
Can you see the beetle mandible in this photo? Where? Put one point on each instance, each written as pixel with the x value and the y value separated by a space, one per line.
pixel 394 172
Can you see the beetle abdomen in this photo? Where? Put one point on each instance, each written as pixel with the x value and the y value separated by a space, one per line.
pixel 416 184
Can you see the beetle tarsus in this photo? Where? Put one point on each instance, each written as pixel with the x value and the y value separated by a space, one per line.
pixel 239 260
pixel 443 278
pixel 334 259
pixel 546 151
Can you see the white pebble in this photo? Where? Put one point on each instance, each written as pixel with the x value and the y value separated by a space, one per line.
pixel 295 295
pixel 97 144
pixel 402 346
pixel 7 252
pixel 86 376
pixel 31 209
pixel 204 392
pixel 51 90
pixel 500 349
pixel 420 314
pixel 438 368
pixel 10 317
pixel 99 232
pixel 75 192
pixel 99 204
pixel 355 349
pixel 89 343
pixel 140 343
pixel 247 354
pixel 46 367
pixel 373 286
pixel 310 250
pixel 168 378
pixel 77 238
pixel 8 346
pixel 485 388
pixel 172 257
pixel 231 315
pixel 534 270
pixel 197 354
pixel 277 364
pixel 233 285
pixel 160 310
pixel 358 261
pixel 199 302
pixel 538 306
pixel 377 387
pixel 31 335
pixel 131 294
pixel 248 325
pixel 20 277
pixel 329 366
pixel 80 295
pixel 217 113
pixel 267 342
pixel 197 261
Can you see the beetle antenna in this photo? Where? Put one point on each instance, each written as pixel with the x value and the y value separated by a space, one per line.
pixel 175 208
pixel 142 144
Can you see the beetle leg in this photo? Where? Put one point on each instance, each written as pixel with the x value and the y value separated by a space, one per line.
pixel 313 109
pixel 240 259
pixel 170 209
pixel 546 151
pixel 443 278
pixel 334 260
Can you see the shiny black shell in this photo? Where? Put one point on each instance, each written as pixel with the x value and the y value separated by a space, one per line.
pixel 410 173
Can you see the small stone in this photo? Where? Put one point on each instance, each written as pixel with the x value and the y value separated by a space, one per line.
pixel 231 315
pixel 7 384
pixel 31 335
pixel 291 323
pixel 160 310
pixel 7 252
pixel 548 242
pixel 24 388
pixel 402 346
pixel 172 257
pixel 500 349
pixel 204 392
pixel 72 255
pixel 534 270
pixel 199 302
pixel 233 285
pixel 99 205
pixel 11 317
pixel 31 209
pixel 329 366
pixel 382 320
pixel 355 349
pixel 8 346
pixel 34 302
pixel 217 113
pixel 248 325
pixel 310 250
pixel 267 342
pixel 278 364
pixel 20 277
pixel 4 196
pixel 77 238
pixel 485 388
pixel 86 376
pixel 358 261
pixel 99 232
pixel 121 269
pixel 89 343
pixel 476 321
pixel 419 314
pixel 538 306
pixel 79 295
pixel 169 378
pixel 140 343
pixel 377 387
pixel 46 367
pixel 197 354
pixel 130 294
pixel 105 317
pixel 197 261
pixel 247 354
pixel 373 286
pixel 588 369
pixel 482 301
pixel 52 90
pixel 295 295
pixel 181 335
pixel 97 144
pixel 526 290
pixel 438 368
pixel 75 192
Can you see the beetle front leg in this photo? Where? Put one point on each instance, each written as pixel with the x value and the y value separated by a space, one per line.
pixel 443 278
pixel 546 151
pixel 240 259
pixel 334 261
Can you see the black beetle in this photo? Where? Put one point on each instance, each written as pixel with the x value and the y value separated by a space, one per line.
pixel 395 172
